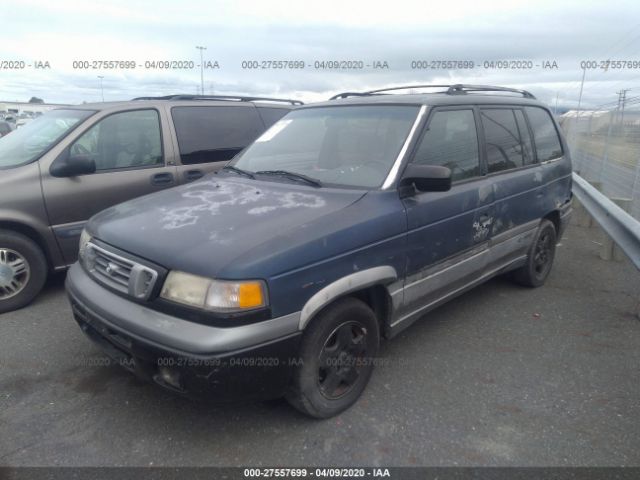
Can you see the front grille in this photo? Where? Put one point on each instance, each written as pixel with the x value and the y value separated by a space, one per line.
pixel 119 273
pixel 113 268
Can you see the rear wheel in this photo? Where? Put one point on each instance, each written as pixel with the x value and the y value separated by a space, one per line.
pixel 540 258
pixel 23 270
pixel 337 353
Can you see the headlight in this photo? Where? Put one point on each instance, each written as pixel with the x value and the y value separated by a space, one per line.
pixel 214 295
pixel 84 239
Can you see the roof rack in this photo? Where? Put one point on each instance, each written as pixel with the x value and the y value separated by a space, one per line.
pixel 462 88
pixel 450 90
pixel 230 98
pixel 381 90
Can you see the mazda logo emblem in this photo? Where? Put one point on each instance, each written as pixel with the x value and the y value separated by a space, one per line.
pixel 112 268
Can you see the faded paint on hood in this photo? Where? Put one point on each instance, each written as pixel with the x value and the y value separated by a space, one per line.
pixel 204 226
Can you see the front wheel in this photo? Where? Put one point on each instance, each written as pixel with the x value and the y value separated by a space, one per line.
pixel 337 353
pixel 23 270
pixel 540 258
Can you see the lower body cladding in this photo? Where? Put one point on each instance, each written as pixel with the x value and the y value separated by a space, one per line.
pixel 251 366
pixel 439 283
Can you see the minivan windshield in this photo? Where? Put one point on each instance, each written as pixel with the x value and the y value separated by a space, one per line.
pixel 29 142
pixel 353 146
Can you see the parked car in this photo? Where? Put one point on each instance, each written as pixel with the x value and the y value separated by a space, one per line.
pixel 5 128
pixel 343 223
pixel 65 166
pixel 22 122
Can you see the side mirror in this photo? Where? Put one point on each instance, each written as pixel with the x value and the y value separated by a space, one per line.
pixel 67 165
pixel 427 178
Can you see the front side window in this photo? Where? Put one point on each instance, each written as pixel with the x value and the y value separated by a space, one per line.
pixel 214 134
pixel 451 141
pixel 123 140
pixel 502 139
pixel 545 135
pixel 31 141
pixel 353 146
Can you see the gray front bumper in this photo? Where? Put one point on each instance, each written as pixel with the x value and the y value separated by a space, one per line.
pixel 168 331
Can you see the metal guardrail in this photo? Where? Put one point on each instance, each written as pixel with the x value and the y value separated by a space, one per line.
pixel 618 224
pixel 616 179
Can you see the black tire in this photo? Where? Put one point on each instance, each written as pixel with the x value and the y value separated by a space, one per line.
pixel 347 326
pixel 13 246
pixel 540 258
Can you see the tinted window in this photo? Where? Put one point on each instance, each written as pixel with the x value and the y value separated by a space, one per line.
pixel 123 140
pixel 451 141
pixel 272 115
pixel 527 146
pixel 545 135
pixel 4 128
pixel 504 149
pixel 214 134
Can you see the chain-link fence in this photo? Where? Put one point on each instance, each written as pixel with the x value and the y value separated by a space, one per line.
pixel 605 148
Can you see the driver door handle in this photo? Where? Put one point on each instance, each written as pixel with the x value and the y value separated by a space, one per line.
pixel 164 178
pixel 191 175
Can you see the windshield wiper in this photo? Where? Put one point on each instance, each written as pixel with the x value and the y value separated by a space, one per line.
pixel 239 171
pixel 292 175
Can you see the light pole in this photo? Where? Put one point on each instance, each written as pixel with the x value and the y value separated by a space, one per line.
pixel 584 73
pixel 623 101
pixel 101 89
pixel 201 69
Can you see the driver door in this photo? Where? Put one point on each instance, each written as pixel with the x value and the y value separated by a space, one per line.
pixel 128 150
pixel 449 231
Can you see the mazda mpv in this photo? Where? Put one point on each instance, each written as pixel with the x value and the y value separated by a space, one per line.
pixel 342 224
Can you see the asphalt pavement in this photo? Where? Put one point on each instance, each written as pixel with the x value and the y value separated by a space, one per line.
pixel 503 375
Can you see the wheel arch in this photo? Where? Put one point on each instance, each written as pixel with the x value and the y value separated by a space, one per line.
pixel 31 233
pixel 553 217
pixel 369 286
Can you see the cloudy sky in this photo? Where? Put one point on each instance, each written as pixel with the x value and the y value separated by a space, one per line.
pixel 63 31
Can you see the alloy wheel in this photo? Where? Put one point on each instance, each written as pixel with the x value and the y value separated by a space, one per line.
pixel 14 273
pixel 341 359
pixel 543 254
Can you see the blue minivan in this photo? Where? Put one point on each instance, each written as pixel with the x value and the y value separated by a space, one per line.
pixel 343 223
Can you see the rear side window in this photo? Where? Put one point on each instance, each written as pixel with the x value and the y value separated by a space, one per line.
pixel 545 135
pixel 502 139
pixel 451 141
pixel 527 146
pixel 214 134
pixel 271 115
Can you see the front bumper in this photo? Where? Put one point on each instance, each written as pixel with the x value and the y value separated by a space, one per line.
pixel 221 372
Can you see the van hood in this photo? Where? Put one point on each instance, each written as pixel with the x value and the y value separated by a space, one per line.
pixel 204 226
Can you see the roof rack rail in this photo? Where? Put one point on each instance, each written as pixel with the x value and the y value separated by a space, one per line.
pixel 230 98
pixel 463 88
pixel 450 90
pixel 381 90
